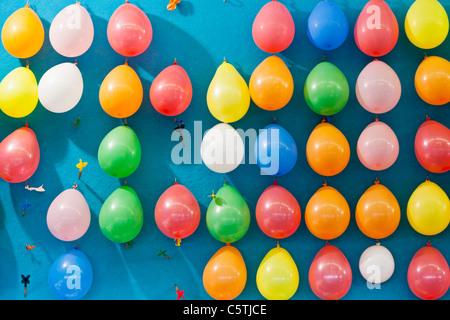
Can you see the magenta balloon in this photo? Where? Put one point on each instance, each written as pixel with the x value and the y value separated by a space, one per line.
pixel 428 274
pixel 129 30
pixel 69 217
pixel 171 91
pixel 277 212
pixel 19 155
pixel 378 88
pixel 377 146
pixel 432 146
pixel 177 212
pixel 330 274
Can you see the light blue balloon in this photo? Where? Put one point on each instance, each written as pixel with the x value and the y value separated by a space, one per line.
pixel 70 275
pixel 275 150
pixel 327 26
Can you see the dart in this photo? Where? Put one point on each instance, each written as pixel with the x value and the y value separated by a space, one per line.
pixel 25 206
pixel 25 281
pixel 80 166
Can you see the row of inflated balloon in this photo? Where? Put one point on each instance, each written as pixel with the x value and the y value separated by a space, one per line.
pixel 271 84
pixel 278 215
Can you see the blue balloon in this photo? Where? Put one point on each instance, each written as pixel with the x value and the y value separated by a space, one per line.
pixel 70 276
pixel 327 26
pixel 275 150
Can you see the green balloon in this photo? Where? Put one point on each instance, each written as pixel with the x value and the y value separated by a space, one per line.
pixel 119 153
pixel 121 216
pixel 326 89
pixel 228 216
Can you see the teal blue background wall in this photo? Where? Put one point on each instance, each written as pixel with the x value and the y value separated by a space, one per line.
pixel 199 34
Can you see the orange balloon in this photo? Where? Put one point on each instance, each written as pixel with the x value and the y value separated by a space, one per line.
pixel 23 33
pixel 377 212
pixel 327 213
pixel 271 84
pixel 327 150
pixel 225 274
pixel 432 80
pixel 121 92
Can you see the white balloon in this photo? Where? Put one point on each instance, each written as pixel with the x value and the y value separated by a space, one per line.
pixel 222 148
pixel 61 87
pixel 72 31
pixel 376 264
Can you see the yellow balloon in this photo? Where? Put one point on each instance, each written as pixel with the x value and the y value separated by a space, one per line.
pixel 19 93
pixel 228 97
pixel 277 277
pixel 428 209
pixel 23 33
pixel 426 24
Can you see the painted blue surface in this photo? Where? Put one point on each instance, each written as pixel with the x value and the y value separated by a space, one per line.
pixel 199 34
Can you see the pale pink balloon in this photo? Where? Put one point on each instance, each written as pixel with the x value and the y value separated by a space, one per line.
pixel 72 31
pixel 378 88
pixel 377 146
pixel 129 30
pixel 19 155
pixel 69 217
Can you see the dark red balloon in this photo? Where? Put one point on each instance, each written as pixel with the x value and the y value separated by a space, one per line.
pixel 376 29
pixel 171 91
pixel 330 274
pixel 428 274
pixel 19 155
pixel 177 212
pixel 277 212
pixel 432 146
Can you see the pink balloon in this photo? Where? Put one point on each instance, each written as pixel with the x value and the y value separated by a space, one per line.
pixel 129 30
pixel 72 31
pixel 376 29
pixel 378 88
pixel 177 212
pixel 277 212
pixel 432 146
pixel 171 91
pixel 330 275
pixel 428 274
pixel 273 28
pixel 19 155
pixel 69 217
pixel 377 146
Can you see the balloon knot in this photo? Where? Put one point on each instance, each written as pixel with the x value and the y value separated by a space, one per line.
pixel 377 181
pixel 327 243
pixel 428 243
pixel 325 183
pixel 177 242
pixel 427 117
pixel 228 243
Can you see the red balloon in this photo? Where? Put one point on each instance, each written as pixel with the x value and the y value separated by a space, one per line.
pixel 273 28
pixel 330 274
pixel 171 91
pixel 177 212
pixel 376 29
pixel 129 30
pixel 432 146
pixel 19 155
pixel 428 274
pixel 277 212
